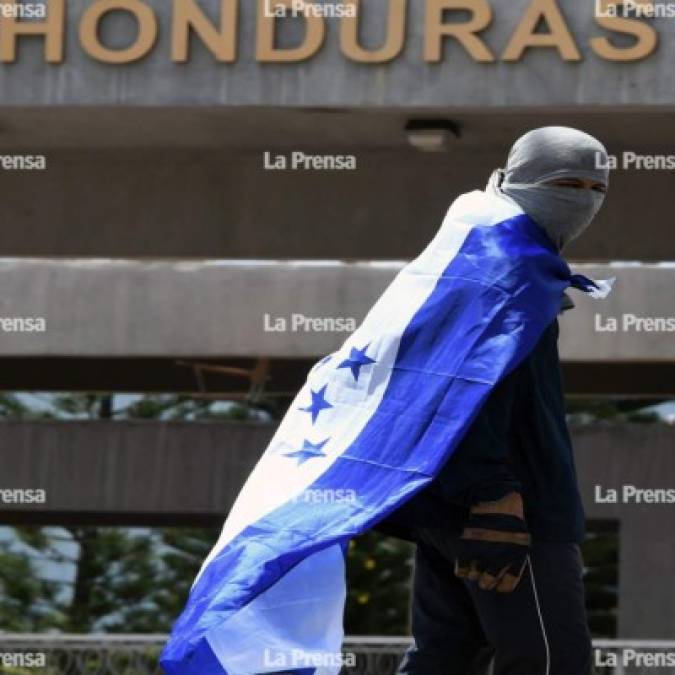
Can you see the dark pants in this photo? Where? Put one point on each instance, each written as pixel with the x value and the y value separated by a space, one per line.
pixel 539 629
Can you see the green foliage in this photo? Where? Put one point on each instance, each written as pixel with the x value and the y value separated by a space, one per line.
pixel 601 558
pixel 114 571
pixel 131 581
pixel 184 551
pixel 11 407
pixel 90 406
pixel 587 410
pixel 138 581
pixel 27 603
pixel 378 583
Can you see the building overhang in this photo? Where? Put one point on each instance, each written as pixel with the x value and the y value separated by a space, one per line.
pixel 207 325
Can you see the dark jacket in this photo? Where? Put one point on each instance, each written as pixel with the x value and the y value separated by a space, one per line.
pixel 518 441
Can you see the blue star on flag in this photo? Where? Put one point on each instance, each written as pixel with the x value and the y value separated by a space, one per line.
pixel 319 403
pixel 357 359
pixel 308 451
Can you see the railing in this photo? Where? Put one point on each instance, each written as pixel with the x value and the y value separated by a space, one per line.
pixel 110 654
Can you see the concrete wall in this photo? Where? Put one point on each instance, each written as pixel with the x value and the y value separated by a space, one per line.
pixel 163 308
pixel 220 201
pixel 147 472
pixel 144 469
pixel 641 456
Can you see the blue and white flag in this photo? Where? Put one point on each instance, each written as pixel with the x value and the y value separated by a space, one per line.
pixel 372 426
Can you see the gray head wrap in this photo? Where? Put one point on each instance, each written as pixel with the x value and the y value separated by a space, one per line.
pixel 546 154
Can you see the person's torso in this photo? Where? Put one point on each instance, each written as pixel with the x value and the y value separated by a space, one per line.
pixel 525 418
pixel 541 448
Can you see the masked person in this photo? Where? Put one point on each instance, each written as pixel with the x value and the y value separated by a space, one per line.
pixel 442 416
pixel 498 572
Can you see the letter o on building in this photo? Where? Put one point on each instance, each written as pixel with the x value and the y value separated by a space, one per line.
pixel 145 39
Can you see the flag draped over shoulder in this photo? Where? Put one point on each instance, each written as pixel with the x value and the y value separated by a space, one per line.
pixel 373 425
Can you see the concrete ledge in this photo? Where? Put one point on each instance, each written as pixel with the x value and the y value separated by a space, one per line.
pixel 140 468
pixel 150 473
pixel 226 308
pixel 147 467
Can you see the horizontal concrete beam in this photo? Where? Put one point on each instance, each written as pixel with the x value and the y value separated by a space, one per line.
pixel 147 467
pixel 230 378
pixel 175 472
pixel 141 468
pixel 191 183
pixel 635 323
pixel 225 308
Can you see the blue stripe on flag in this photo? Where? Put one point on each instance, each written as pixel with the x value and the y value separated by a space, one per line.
pixel 485 314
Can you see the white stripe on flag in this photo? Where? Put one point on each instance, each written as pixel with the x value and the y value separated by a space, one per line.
pixel 276 481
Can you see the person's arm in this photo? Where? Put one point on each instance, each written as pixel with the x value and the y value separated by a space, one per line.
pixel 480 469
pixel 495 540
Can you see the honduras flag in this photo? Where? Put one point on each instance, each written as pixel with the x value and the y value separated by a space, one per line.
pixel 372 426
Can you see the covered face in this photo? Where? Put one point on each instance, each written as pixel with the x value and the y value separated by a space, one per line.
pixel 559 177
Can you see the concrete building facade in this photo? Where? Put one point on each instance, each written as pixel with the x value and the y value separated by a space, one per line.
pixel 163 203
